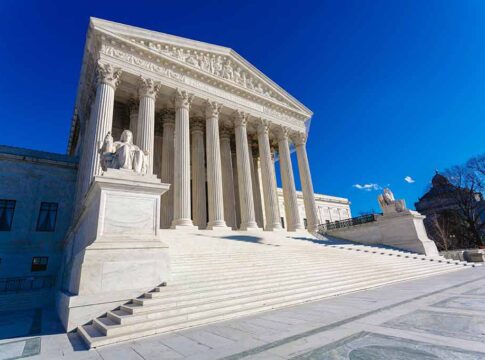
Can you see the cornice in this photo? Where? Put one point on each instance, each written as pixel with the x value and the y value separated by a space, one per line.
pixel 148 58
pixel 191 53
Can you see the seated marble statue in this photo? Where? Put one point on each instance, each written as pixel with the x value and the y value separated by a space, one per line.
pixel 388 203
pixel 123 154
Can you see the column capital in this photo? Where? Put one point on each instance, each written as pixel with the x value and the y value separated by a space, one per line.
pixel 133 105
pixel 212 108
pixel 263 126
pixel 282 133
pixel 240 118
pixel 197 124
pixel 107 74
pixel 299 138
pixel 182 99
pixel 147 87
pixel 167 116
pixel 225 133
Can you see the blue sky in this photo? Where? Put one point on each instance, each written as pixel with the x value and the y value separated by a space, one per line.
pixel 397 87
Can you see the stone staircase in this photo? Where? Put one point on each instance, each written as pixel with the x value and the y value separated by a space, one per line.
pixel 222 275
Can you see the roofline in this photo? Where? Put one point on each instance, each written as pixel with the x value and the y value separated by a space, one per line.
pixel 97 24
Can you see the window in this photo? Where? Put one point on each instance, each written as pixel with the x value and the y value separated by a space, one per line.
pixel 47 216
pixel 7 208
pixel 282 221
pixel 39 263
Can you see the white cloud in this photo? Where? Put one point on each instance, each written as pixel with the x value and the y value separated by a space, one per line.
pixel 409 179
pixel 367 187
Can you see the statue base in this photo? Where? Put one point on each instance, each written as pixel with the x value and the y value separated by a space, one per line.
pixel 113 253
pixel 403 230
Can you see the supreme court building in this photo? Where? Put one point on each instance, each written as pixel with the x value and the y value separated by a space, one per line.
pixel 168 136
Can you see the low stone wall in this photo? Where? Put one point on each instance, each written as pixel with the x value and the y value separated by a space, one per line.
pixel 403 230
pixel 471 255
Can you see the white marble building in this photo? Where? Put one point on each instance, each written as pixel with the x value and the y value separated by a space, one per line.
pixel 199 128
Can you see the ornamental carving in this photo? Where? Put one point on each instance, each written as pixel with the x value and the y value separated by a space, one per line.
pixel 263 126
pixel 108 75
pixel 147 87
pixel 299 138
pixel 240 118
pixel 218 65
pixel 212 109
pixel 182 99
pixel 135 60
pixel 197 124
pixel 168 116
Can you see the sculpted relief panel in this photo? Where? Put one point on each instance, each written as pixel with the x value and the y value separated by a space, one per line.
pixel 133 59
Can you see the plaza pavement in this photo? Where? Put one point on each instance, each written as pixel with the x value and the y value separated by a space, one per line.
pixel 439 317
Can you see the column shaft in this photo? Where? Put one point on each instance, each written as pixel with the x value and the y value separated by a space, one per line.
pixel 235 177
pixel 167 167
pixel 145 132
pixel 182 211
pixel 214 171
pixel 199 212
pixel 100 123
pixel 306 184
pixel 288 180
pixel 244 174
pixel 271 206
pixel 228 185
pixel 258 206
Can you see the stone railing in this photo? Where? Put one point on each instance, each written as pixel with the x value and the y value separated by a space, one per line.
pixel 324 228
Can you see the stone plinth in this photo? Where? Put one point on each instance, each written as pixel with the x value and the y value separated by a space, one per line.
pixel 113 252
pixel 403 230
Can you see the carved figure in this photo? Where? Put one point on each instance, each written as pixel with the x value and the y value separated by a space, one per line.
pixel 227 72
pixel 388 203
pixel 123 154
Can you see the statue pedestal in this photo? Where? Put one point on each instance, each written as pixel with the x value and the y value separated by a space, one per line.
pixel 113 251
pixel 405 230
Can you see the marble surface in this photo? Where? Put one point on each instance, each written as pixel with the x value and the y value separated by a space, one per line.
pixel 354 326
pixel 369 346
pixel 461 326
pixel 463 302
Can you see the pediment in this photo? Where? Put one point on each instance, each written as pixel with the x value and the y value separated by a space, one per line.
pixel 217 61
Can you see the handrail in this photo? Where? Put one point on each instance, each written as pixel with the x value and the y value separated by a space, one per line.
pixel 27 283
pixel 324 228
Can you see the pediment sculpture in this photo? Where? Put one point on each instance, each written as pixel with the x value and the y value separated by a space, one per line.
pixel 389 204
pixel 123 154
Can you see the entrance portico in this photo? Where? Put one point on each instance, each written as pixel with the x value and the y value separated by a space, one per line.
pixel 193 101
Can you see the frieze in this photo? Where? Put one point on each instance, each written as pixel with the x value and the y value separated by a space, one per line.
pixel 133 59
pixel 218 65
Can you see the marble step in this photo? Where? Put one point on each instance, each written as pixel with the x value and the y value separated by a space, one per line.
pixel 94 337
pixel 167 295
pixel 167 305
pixel 243 270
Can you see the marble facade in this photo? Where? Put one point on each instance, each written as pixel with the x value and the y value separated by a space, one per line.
pixel 187 103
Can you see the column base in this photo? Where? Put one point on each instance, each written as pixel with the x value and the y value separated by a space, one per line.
pixel 251 226
pixel 274 228
pixel 183 224
pixel 218 225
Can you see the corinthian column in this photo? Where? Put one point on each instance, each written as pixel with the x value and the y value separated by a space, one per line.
pixel 268 177
pixel 199 212
pixel 166 173
pixel 133 106
pixel 246 201
pixel 181 186
pixel 228 179
pixel 101 121
pixel 214 171
pixel 254 163
pixel 306 182
pixel 289 191
pixel 145 132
